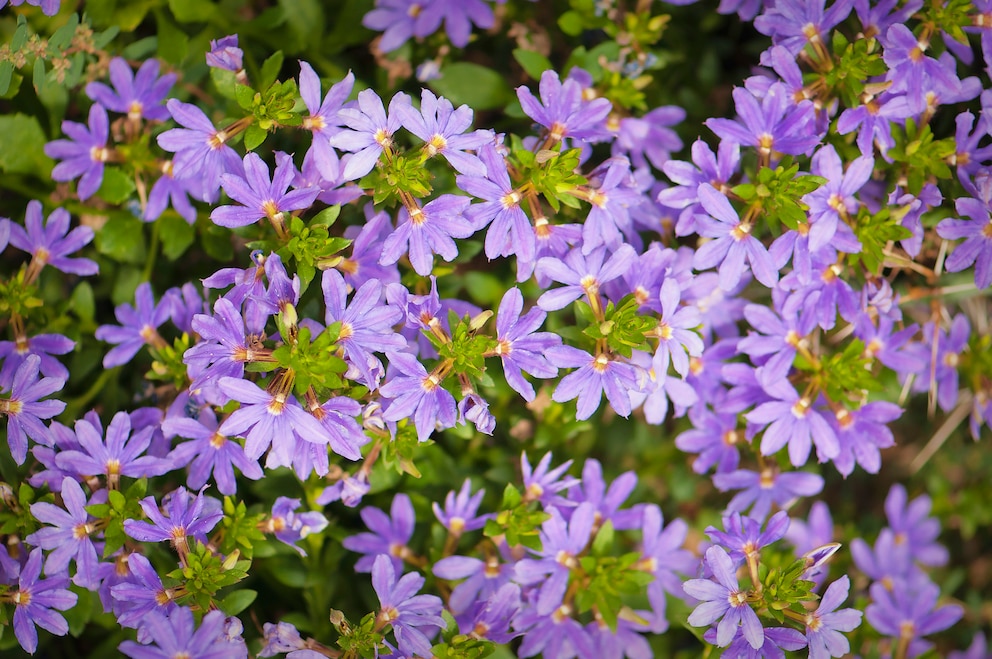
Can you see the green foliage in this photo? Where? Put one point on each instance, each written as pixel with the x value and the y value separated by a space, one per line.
pixel 399 453
pixel 552 173
pixel 782 585
pixel 467 347
pixel 18 297
pixel 923 157
pixel 854 64
pixel 310 245
pixel 168 365
pixel 518 520
pixel 624 328
pixel 396 175
pixel 120 506
pixel 875 231
pixel 843 375
pixel 239 530
pixel 313 363
pixel 361 641
pixel 15 510
pixel 777 194
pixel 479 87
pixel 205 574
pixel 604 578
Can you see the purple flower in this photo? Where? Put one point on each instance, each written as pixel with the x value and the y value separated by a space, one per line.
pixel 223 349
pixel 519 346
pixel 744 537
pixel 797 24
pixel 141 597
pixel 289 526
pixel 723 601
pixel 595 376
pixel 873 120
pixel 366 324
pixel 977 231
pixel 912 528
pixel 25 410
pixel 543 483
pixel 663 556
pixel 442 127
pixel 460 510
pixel 404 610
pixel 68 535
pixel 606 501
pixel 941 352
pixel 261 197
pixel 399 20
pixel 35 603
pixel 225 54
pixel 13 354
pixel 426 231
pixel 84 154
pixel 52 243
pixel 909 614
pixel 772 125
pixel 210 453
pixel 370 131
pixel 136 96
pixel 138 326
pixel 510 231
pixel 177 636
pixel 323 118
pixel 910 71
pixel 419 395
pixel 649 138
pixel 776 640
pixel 734 243
pixel 168 188
pixel 366 247
pixel 794 420
pixel 554 636
pixel 458 15
pixel 582 275
pixel 714 436
pixel 765 488
pixel 706 167
pixel 274 419
pixel 388 534
pixel 861 433
pixel 824 626
pixel 188 515
pixel 201 151
pixel 677 341
pixel 563 111
pixel 561 544
pixel 610 199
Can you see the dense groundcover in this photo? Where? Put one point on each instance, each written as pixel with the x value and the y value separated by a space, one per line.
pixel 461 328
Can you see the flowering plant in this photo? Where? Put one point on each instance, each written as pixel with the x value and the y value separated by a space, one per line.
pixel 273 269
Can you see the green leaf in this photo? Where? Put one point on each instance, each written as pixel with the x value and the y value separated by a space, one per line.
pixel 327 217
pixel 6 75
pixel 192 11
pixel 226 82
pixel 571 23
pixel 173 45
pixel 254 137
pixel 63 36
pixel 270 70
pixel 83 302
pixel 306 21
pixel 533 63
pixel 245 96
pixel 122 239
pixel 237 601
pixel 116 187
pixel 38 75
pixel 477 86
pixel 176 235
pixel 22 146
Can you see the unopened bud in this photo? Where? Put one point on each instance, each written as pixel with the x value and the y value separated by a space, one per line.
pixel 479 320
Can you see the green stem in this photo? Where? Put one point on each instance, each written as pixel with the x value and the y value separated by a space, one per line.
pixel 146 275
